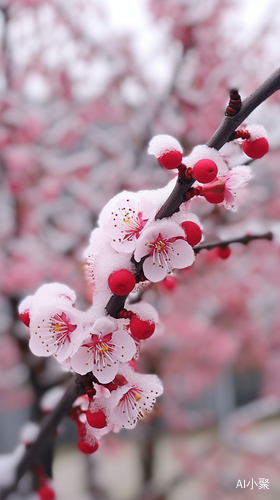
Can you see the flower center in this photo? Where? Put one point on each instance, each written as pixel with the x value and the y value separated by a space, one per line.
pixel 103 349
pixel 159 245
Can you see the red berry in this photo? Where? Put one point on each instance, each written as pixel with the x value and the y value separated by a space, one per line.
pixel 223 252
pixel 121 282
pixel 140 329
pixel 46 493
pixel 87 448
pixel 96 419
pixel 256 149
pixel 25 318
pixel 205 171
pixel 214 197
pixel 193 232
pixel 171 159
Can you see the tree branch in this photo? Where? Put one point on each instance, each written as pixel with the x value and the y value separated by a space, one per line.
pixel 230 124
pixel 244 240
pixel 36 449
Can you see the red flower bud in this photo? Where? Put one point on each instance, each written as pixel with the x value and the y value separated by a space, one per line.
pixel 214 191
pixel 257 148
pixel 87 448
pixel 121 282
pixel 45 492
pixel 171 159
pixel 205 171
pixel 223 252
pixel 25 318
pixel 141 330
pixel 96 419
pixel 169 282
pixel 193 232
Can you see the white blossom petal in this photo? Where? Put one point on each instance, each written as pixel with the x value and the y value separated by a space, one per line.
pixel 182 255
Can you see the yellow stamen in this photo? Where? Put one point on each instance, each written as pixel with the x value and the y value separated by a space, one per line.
pixel 159 245
pixel 103 349
pixel 137 397
pixel 57 328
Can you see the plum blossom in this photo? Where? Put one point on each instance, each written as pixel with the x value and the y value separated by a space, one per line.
pixel 124 222
pixel 55 329
pixel 129 402
pixel 135 399
pixel 164 245
pixel 235 179
pixel 102 351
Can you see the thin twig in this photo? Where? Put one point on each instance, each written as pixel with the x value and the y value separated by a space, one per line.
pixel 244 240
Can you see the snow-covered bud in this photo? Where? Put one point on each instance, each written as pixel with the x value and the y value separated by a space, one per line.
pixel 257 145
pixel 121 282
pixel 96 419
pixel 167 150
pixel 140 329
pixel 205 171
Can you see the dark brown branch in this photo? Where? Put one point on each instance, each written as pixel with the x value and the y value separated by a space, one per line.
pixel 230 124
pixel 75 389
pixel 244 240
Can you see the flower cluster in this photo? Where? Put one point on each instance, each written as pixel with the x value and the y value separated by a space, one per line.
pixel 131 245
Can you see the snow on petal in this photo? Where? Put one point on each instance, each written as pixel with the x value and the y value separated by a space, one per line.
pixel 127 217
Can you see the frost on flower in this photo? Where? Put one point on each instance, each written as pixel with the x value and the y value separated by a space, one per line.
pixel 124 218
pixel 164 245
pixel 102 351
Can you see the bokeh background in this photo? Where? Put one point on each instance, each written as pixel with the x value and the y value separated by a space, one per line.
pixel 84 85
